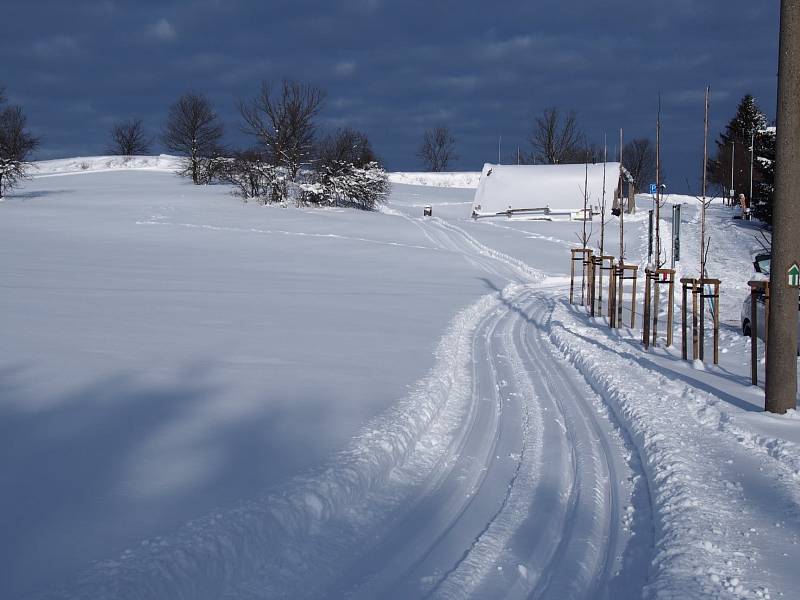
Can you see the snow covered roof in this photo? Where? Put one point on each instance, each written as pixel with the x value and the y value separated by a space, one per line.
pixel 558 188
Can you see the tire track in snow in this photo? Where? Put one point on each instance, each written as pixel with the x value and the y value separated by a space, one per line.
pixel 521 530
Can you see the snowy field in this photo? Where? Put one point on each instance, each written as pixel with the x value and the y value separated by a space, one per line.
pixel 202 398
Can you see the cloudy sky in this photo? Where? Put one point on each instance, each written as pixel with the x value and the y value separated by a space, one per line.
pixel 392 69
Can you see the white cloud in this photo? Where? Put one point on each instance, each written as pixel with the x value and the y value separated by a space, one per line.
pixel 344 68
pixel 162 30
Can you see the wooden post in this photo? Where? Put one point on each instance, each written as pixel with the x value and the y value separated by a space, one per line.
pixel 670 308
pixel 695 339
pixel 716 322
pixel 766 319
pixel 753 336
pixel 571 277
pixel 701 283
pixel 578 254
pixel 684 290
pixel 620 293
pixel 591 291
pixel 633 297
pixel 755 286
pixel 656 295
pixel 646 311
pixel 612 286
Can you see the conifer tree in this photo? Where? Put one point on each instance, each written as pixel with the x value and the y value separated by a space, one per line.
pixel 734 143
pixel 764 190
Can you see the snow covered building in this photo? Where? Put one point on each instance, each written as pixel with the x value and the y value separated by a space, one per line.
pixel 544 191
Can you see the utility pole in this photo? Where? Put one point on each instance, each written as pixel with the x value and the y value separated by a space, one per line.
pixel 781 386
pixel 752 152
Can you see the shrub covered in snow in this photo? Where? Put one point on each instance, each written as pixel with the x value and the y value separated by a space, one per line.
pixel 345 184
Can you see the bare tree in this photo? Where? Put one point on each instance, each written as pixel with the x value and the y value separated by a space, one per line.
pixel 16 145
pixel 438 149
pixel 345 146
pixel 194 131
pixel 283 122
pixel 556 140
pixel 128 138
pixel 640 160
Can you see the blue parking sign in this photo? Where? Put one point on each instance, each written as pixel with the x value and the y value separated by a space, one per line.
pixel 653 189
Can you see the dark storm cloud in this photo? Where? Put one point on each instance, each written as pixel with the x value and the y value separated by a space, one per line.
pixel 394 68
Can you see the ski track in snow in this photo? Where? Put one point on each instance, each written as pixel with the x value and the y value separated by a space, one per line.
pixel 697 457
pixel 533 461
pixel 469 453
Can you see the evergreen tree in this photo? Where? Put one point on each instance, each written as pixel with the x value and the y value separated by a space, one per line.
pixel 734 143
pixel 764 190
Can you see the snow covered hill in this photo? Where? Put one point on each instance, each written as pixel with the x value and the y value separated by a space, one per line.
pixel 203 399
pixel 95 164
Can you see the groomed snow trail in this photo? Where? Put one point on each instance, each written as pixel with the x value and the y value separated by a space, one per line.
pixel 501 475
pixel 539 501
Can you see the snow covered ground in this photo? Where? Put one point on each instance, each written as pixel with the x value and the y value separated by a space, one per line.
pixel 208 399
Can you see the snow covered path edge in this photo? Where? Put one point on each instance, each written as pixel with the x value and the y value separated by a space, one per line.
pixel 336 507
pixel 700 548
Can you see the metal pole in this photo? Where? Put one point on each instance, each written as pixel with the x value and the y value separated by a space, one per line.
pixel 752 151
pixel 781 386
pixel 731 192
pixel 753 336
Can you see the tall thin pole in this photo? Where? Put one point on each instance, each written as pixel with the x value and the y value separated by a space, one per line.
pixel 704 201
pixel 781 386
pixel 658 184
pixel 752 152
pixel 733 162
pixel 621 207
pixel 585 202
pixel 500 139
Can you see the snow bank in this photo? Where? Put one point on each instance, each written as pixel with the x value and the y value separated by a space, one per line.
pixel 94 164
pixel 465 179
pixel 706 483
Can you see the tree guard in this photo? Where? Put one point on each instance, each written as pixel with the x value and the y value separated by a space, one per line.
pixel 584 256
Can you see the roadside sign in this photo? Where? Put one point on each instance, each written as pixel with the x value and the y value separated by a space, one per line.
pixel 794 276
pixel 676 234
pixel 653 189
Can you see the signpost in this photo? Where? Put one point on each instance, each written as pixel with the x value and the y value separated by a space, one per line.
pixel 650 238
pixel 794 276
pixel 676 234
pixel 653 189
